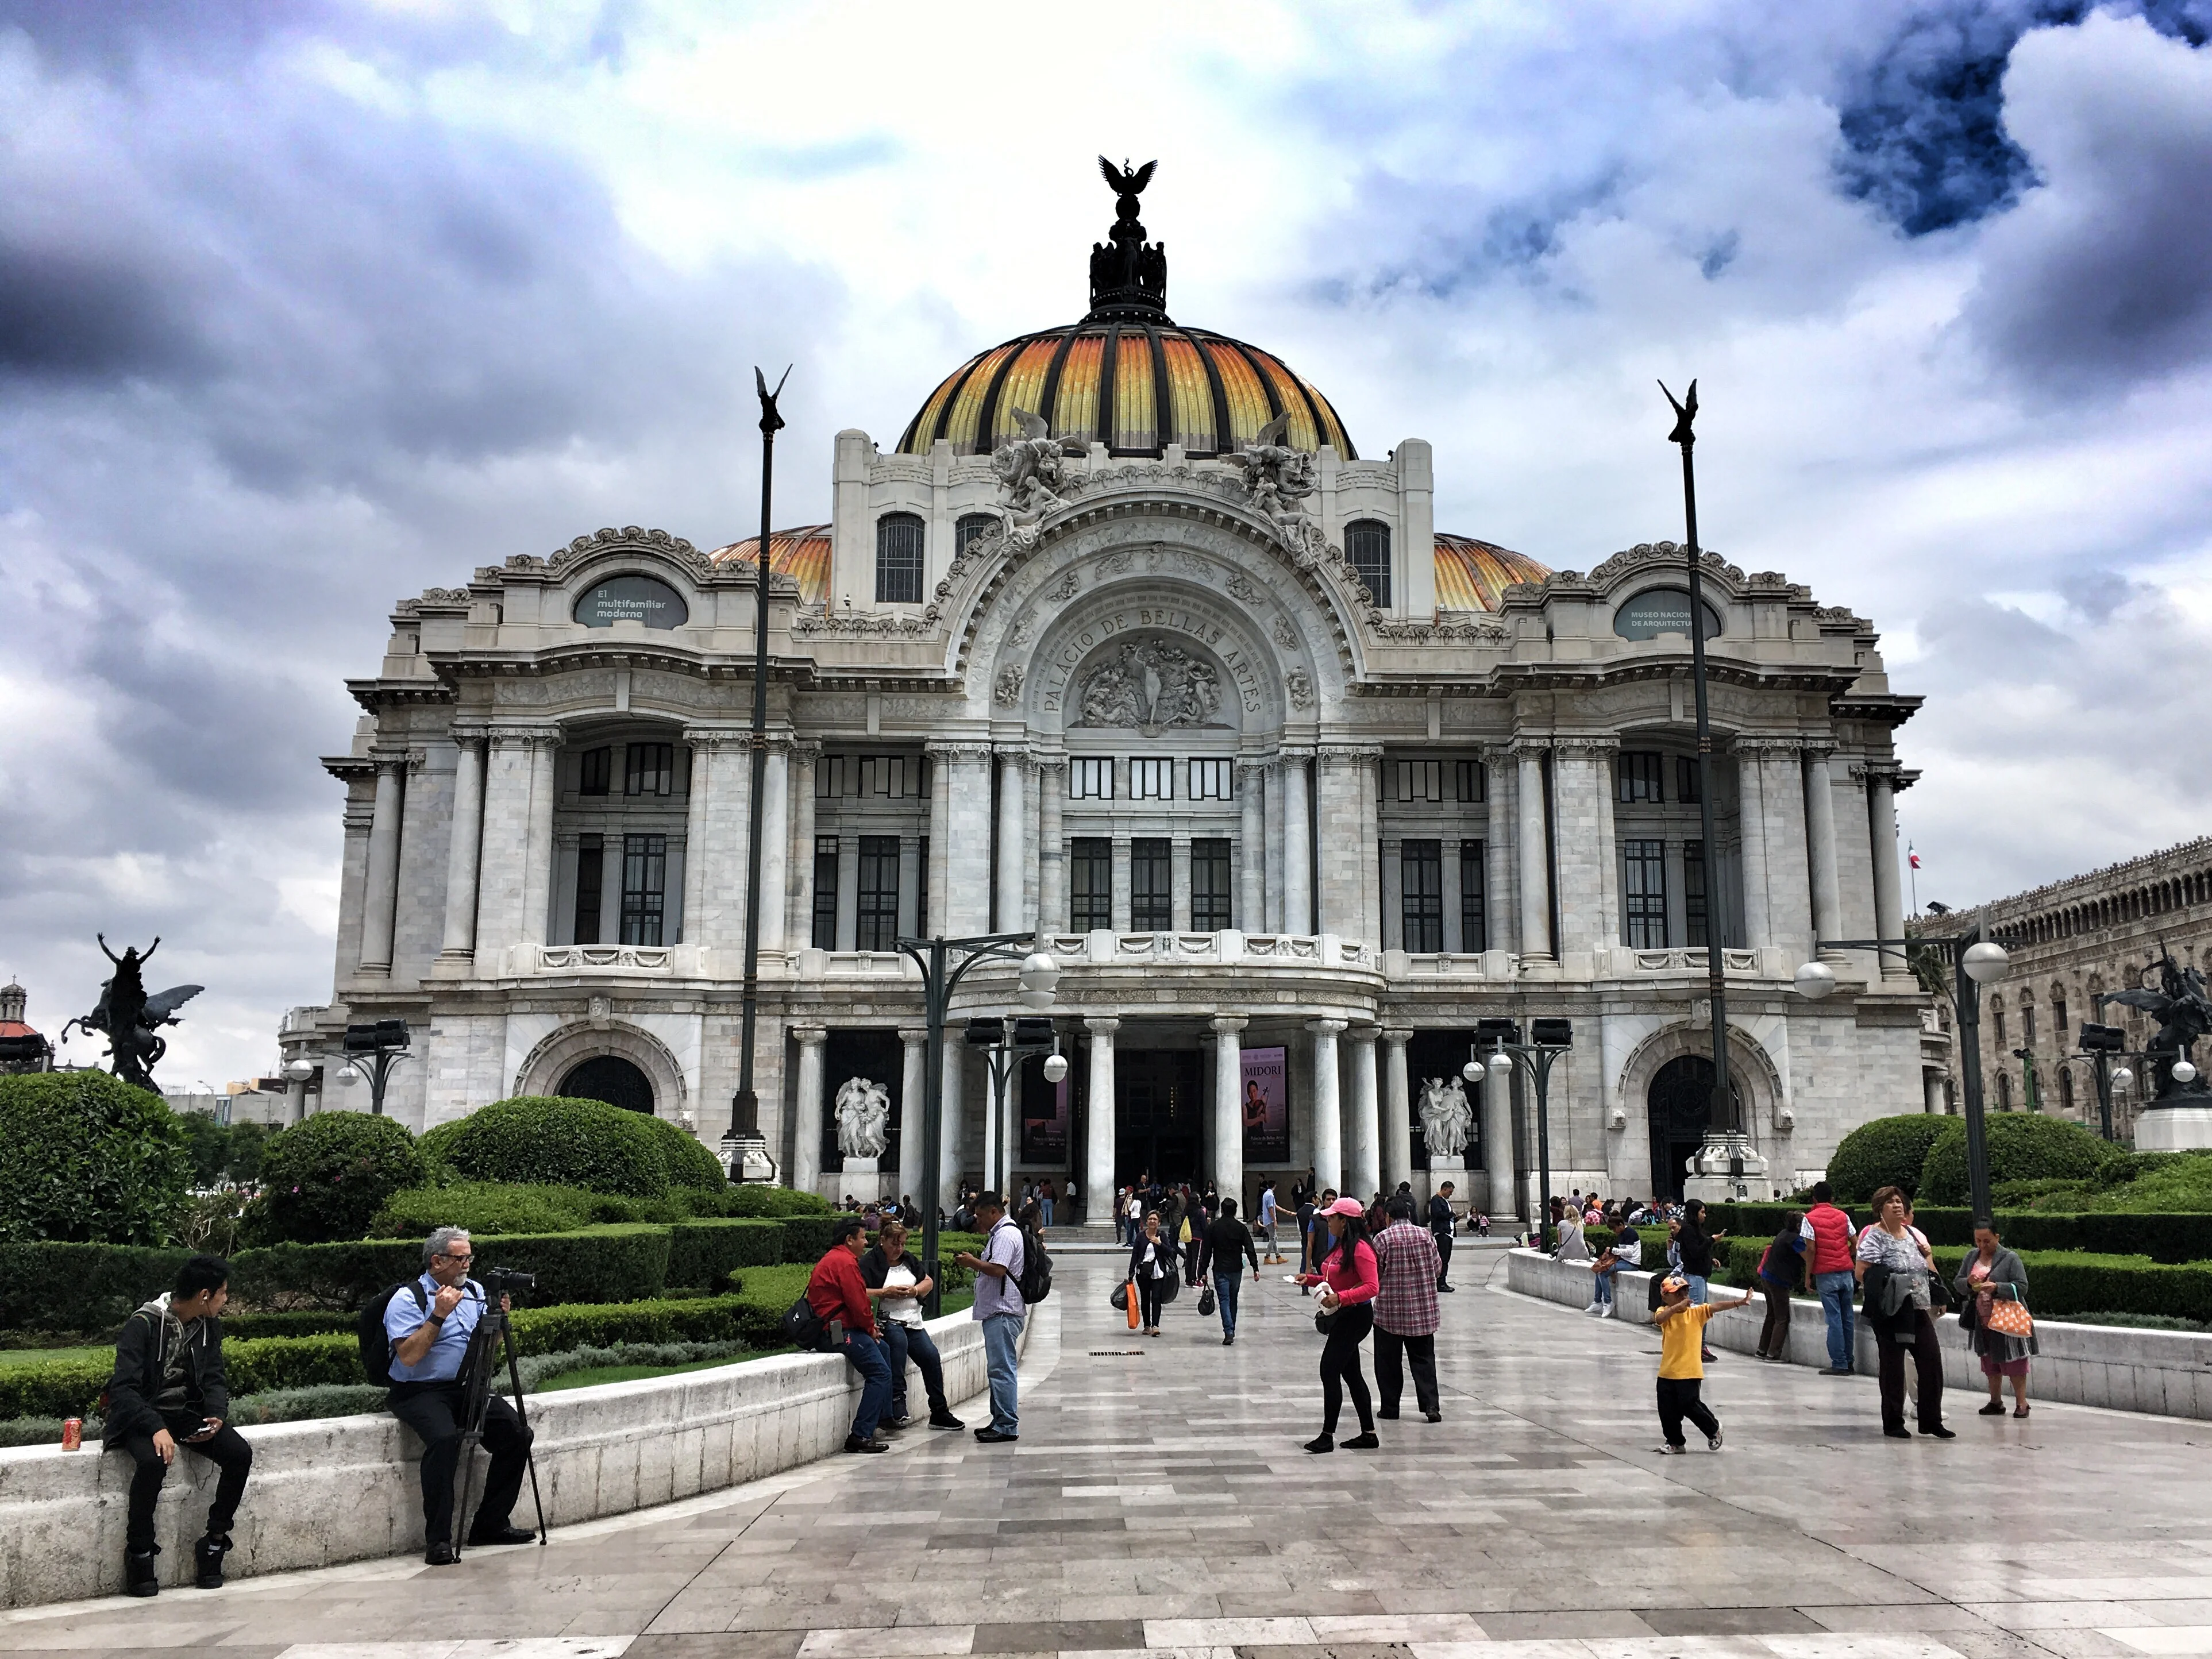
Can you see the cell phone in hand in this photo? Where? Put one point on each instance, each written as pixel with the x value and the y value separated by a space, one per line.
pixel 209 1426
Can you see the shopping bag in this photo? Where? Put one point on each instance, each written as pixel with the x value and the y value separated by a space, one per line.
pixel 1130 1302
pixel 2009 1318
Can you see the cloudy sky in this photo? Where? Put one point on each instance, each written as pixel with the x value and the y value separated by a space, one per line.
pixel 306 307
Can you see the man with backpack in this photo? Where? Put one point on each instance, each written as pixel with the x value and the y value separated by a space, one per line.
pixel 1000 1308
pixel 426 1325
pixel 168 1391
pixel 837 1291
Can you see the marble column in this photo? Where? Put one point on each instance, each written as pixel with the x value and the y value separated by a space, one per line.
pixel 913 1086
pixel 1784 864
pixel 961 843
pixel 1536 861
pixel 1298 849
pixel 1397 1109
pixel 1098 1184
pixel 1751 817
pixel 775 843
pixel 1498 1147
pixel 1251 847
pixel 1820 849
pixel 1367 780
pixel 1340 825
pixel 1228 1107
pixel 1119 853
pixel 1606 758
pixel 380 883
pixel 296 1099
pixel 463 851
pixel 1500 917
pixel 1931 1093
pixel 799 883
pixel 1365 1160
pixel 1052 847
pixel 538 859
pixel 1888 889
pixel 1582 779
pixel 1327 1140
pixel 940 842
pixel 502 882
pixel 806 1110
pixel 715 828
pixel 1013 763
pixel 953 1120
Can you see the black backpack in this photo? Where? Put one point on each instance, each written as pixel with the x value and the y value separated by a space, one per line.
pixel 369 1332
pixel 803 1327
pixel 1036 1281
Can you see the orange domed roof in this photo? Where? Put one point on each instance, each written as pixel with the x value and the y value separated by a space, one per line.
pixel 1135 386
pixel 1472 575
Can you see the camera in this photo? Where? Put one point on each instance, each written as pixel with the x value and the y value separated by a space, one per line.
pixel 508 1281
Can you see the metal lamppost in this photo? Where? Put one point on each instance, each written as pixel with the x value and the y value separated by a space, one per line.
pixel 375 1050
pixel 1975 961
pixel 943 964
pixel 1548 1040
pixel 2030 1096
pixel 1005 1045
pixel 2097 1045
pixel 745 1107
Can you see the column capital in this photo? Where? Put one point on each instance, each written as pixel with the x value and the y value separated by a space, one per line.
pixel 1365 1034
pixel 1889 773
pixel 1529 749
pixel 811 1036
pixel 1102 1024
pixel 394 761
pixel 1049 762
pixel 468 733
pixel 1767 747
pixel 1397 1035
pixel 805 751
pixel 504 736
pixel 1340 753
pixel 716 737
pixel 1820 749
pixel 1227 1024
pixel 1327 1027
pixel 958 751
pixel 915 1037
pixel 1248 767
pixel 1592 747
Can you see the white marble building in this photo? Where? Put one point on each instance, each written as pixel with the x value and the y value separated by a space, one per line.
pixel 1269 762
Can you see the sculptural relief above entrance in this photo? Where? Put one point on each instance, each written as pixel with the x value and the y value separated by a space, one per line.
pixel 1150 684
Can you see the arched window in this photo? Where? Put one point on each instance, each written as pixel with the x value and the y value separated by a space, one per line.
pixel 2059 1024
pixel 971 526
pixel 2004 1092
pixel 898 559
pixel 2066 1090
pixel 1367 541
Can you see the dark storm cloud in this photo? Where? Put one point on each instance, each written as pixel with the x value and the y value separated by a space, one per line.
pixel 72 314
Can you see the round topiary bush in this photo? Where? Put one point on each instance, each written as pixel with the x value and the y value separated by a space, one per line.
pixel 757 1197
pixel 325 1178
pixel 86 1158
pixel 555 1141
pixel 2022 1146
pixel 689 1163
pixel 1886 1152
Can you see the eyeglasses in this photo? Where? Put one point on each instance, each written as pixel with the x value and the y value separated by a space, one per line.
pixel 457 1255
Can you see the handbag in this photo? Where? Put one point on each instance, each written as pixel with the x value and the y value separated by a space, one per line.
pixel 1120 1298
pixel 1206 1303
pixel 1325 1319
pixel 2008 1317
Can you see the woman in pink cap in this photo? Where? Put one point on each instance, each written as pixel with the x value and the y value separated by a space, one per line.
pixel 1348 1281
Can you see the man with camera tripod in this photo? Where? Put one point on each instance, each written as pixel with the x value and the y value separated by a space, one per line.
pixel 428 1325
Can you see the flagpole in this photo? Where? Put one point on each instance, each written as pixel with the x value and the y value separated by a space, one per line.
pixel 1912 869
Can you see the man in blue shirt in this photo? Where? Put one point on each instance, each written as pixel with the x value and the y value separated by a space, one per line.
pixel 999 1308
pixel 428 1324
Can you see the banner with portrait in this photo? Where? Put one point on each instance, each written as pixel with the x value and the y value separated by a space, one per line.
pixel 1265 1106
pixel 1045 1113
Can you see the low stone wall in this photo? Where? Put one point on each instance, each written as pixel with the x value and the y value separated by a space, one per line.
pixel 348 1488
pixel 2168 1372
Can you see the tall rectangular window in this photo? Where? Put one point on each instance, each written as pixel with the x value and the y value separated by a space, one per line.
pixel 1090 778
pixel 1152 780
pixel 825 892
pixel 591 875
pixel 1151 885
pixel 1641 777
pixel 878 927
pixel 898 559
pixel 1694 913
pixel 1421 879
pixel 1090 882
pixel 1213 779
pixel 922 887
pixel 595 770
pixel 1420 781
pixel 651 770
pixel 1209 885
pixel 1643 893
pixel 1473 922
pixel 1685 779
pixel 645 888
pixel 1466 775
pixel 1367 544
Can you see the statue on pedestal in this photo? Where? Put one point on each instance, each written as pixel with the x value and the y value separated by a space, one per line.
pixel 2184 1014
pixel 1446 1118
pixel 130 1019
pixel 864 1113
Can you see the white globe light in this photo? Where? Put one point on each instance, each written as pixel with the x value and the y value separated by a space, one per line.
pixel 1056 1067
pixel 1501 1068
pixel 1039 972
pixel 1986 962
pixel 349 1074
pixel 1815 980
pixel 2184 1072
pixel 1472 1070
pixel 299 1070
pixel 2122 1077
pixel 1038 1000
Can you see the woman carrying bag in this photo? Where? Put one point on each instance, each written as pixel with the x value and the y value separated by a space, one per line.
pixel 1151 1263
pixel 1992 1287
pixel 1896 1267
pixel 1349 1279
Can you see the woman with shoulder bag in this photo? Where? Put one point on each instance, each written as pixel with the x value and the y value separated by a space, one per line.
pixel 1898 1270
pixel 1349 1279
pixel 1151 1262
pixel 1992 1289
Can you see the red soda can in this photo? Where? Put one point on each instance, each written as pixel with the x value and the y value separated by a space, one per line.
pixel 72 1433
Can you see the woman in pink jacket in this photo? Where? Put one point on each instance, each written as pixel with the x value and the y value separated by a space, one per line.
pixel 1348 1281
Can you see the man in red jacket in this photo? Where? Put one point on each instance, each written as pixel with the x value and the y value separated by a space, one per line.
pixel 836 1290
pixel 1829 1256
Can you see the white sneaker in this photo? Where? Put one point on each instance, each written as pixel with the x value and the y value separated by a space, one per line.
pixel 1595 1310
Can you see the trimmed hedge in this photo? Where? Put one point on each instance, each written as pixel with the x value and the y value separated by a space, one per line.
pixel 1888 1152
pixel 553 1140
pixel 624 1262
pixel 85 1157
pixel 488 1208
pixel 325 1178
pixel 703 1254
pixel 687 1162
pixel 2022 1146
pixel 57 1387
pixel 80 1287
pixel 759 1199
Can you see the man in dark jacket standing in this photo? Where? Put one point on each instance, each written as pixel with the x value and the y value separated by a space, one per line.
pixel 1440 1231
pixel 168 1391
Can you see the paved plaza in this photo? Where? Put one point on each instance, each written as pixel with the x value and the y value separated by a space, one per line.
pixel 1160 1501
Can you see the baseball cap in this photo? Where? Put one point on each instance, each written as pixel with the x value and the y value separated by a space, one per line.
pixel 1346 1207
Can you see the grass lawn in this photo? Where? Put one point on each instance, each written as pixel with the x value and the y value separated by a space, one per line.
pixel 104 1353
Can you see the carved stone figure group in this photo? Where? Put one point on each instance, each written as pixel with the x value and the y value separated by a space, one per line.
pixel 1033 473
pixel 1279 479
pixel 1151 685
pixel 864 1115
pixel 1446 1118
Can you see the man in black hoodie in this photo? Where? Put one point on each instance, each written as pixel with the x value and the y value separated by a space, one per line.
pixel 168 1391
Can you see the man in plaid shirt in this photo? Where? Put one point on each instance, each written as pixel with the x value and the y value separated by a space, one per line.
pixel 1406 1311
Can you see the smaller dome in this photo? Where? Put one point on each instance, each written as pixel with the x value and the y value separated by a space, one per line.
pixel 1473 575
pixel 801 553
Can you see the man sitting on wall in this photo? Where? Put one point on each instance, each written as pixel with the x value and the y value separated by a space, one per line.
pixel 428 1324
pixel 835 1290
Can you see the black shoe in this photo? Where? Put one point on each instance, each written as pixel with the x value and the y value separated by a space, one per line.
pixel 1836 1371
pixel 1937 1432
pixel 1995 1408
pixel 944 1419
pixel 894 1424
pixel 1448 1289
pixel 441 1554
pixel 1364 1441
pixel 207 1557
pixel 1713 1441
pixel 992 1437
pixel 1229 1338
pixel 1435 1417
pixel 138 1575
pixel 1389 1414
pixel 855 1443
pixel 1322 1442
pixel 483 1537
pixel 1898 1434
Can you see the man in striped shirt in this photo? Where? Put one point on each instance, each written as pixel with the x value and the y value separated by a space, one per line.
pixel 1406 1311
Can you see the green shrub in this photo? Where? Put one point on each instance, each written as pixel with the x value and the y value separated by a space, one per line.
pixel 86 1157
pixel 538 1369
pixel 245 1327
pixel 304 1405
pixel 697 1319
pixel 619 1263
pixel 43 1431
pixel 689 1165
pixel 807 1237
pixel 555 1141
pixel 703 1254
pixel 268 1363
pixel 54 1388
pixel 2176 1182
pixel 2060 1287
pixel 325 1178
pixel 1889 1151
pixel 2022 1146
pixel 80 1287
pixel 757 1198
pixel 488 1208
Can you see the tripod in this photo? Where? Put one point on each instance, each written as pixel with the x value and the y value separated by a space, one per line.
pixel 480 1366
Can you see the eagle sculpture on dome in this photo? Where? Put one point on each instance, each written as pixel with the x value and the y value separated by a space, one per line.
pixel 1128 186
pixel 1127 272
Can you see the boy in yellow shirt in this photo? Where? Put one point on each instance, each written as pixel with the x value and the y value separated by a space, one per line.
pixel 1681 1363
